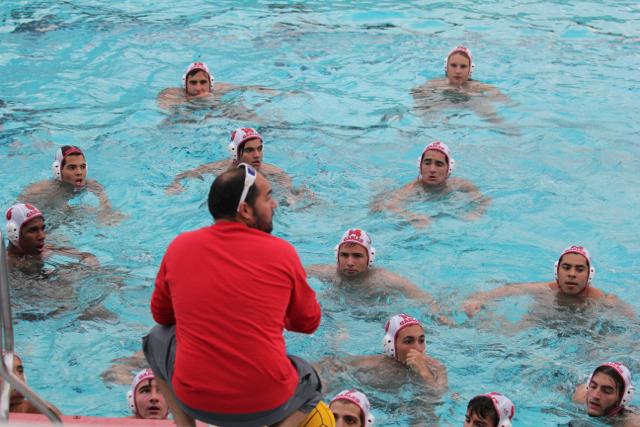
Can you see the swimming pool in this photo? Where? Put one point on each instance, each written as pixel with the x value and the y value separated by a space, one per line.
pixel 563 168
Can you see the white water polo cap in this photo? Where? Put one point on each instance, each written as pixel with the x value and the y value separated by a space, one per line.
pixel 629 389
pixel 197 66
pixel 145 374
pixel 61 154
pixel 359 237
pixel 441 147
pixel 239 137
pixel 466 52
pixel 361 401
pixel 504 408
pixel 17 216
pixel 391 329
pixel 580 251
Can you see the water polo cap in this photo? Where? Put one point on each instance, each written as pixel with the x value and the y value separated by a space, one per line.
pixel 580 251
pixel 239 137
pixel 504 408
pixel 360 400
pixel 629 389
pixel 391 329
pixel 359 237
pixel 61 154
pixel 460 49
pixel 17 216
pixel 441 147
pixel 197 66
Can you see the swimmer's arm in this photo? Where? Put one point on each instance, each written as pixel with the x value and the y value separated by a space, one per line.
pixel 170 97
pixel 32 409
pixel 122 371
pixel 32 192
pixel 439 372
pixel 106 212
pixel 228 87
pixel 323 272
pixel 482 201
pixel 84 257
pixel 394 203
pixel 476 301
pixel 621 306
pixel 411 290
pixel 278 175
pixel 580 395
pixel 210 168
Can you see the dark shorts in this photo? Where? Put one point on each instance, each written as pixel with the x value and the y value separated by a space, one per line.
pixel 160 350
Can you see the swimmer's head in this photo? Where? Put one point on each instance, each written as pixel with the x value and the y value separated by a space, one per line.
pixel 197 79
pixel 435 164
pixel 15 396
pixel 70 166
pixel 491 409
pixel 245 146
pixel 402 334
pixel 574 270
pixel 26 228
pixel 144 398
pixel 609 390
pixel 351 408
pixel 458 65
pixel 354 253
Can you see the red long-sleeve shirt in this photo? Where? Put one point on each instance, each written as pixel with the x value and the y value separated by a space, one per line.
pixel 230 290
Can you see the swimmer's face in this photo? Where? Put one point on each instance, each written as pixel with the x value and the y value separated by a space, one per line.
pixel 150 403
pixel 264 205
pixel 573 274
pixel 410 338
pixel 477 420
pixel 458 68
pixel 346 413
pixel 74 170
pixel 434 167
pixel 252 153
pixel 32 236
pixel 602 395
pixel 353 259
pixel 18 370
pixel 198 84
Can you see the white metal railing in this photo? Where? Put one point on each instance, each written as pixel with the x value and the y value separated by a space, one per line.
pixel 9 379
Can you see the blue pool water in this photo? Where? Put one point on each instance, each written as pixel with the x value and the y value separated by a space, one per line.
pixel 561 168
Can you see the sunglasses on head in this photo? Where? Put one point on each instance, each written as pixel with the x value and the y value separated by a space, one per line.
pixel 249 180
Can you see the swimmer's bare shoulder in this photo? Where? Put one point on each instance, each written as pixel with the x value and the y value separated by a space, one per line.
pixel 429 87
pixel 36 190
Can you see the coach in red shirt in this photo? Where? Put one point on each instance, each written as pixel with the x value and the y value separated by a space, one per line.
pixel 223 296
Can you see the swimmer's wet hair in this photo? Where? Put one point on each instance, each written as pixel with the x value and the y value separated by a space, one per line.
pixel 483 406
pixel 225 193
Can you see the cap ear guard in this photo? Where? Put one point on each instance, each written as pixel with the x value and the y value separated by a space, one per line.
pixel 233 151
pixel 131 402
pixel 13 232
pixel 55 170
pixel 370 420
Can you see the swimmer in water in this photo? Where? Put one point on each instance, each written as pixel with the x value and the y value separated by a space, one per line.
pixel 608 393
pixel 354 269
pixel 489 410
pixel 17 402
pixel 404 360
pixel 435 167
pixel 574 272
pixel 245 146
pixel 351 408
pixel 145 399
pixel 199 84
pixel 27 248
pixel 457 89
pixel 69 179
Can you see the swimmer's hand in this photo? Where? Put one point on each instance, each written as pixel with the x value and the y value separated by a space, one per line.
pixel 174 188
pixel 417 220
pixel 472 307
pixel 110 217
pixel 418 363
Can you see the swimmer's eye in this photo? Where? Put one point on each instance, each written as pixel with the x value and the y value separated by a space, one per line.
pixel 350 420
pixel 580 269
pixel 144 390
pixel 440 163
